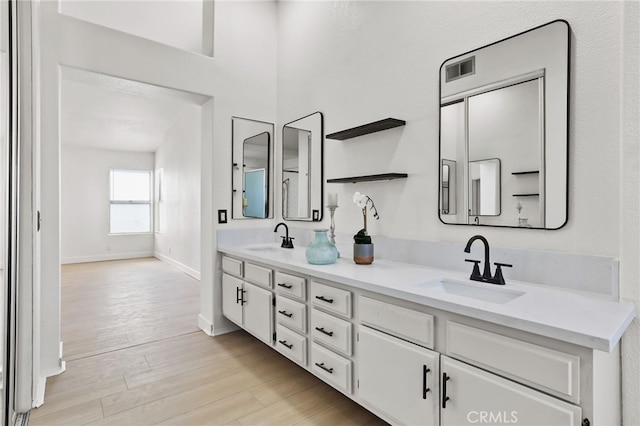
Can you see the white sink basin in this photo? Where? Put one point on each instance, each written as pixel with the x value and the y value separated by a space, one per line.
pixel 266 249
pixel 471 290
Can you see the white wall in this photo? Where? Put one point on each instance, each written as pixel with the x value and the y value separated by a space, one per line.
pixel 241 79
pixel 178 241
pixel 245 51
pixel 85 205
pixel 362 61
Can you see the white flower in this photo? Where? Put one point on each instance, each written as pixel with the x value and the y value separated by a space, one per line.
pixel 360 200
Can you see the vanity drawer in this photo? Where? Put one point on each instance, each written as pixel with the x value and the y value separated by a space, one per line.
pixel 331 299
pixel 291 313
pixel 331 367
pixel 551 371
pixel 291 344
pixel 291 285
pixel 331 331
pixel 407 324
pixel 257 274
pixel 232 266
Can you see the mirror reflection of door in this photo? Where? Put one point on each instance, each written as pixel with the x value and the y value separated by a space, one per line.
pixel 484 188
pixel 506 124
pixel 296 184
pixel 448 189
pixel 255 190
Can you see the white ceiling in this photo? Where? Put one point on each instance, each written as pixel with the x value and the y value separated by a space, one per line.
pixel 177 23
pixel 99 111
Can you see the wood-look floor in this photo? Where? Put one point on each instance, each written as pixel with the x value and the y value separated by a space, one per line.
pixel 135 356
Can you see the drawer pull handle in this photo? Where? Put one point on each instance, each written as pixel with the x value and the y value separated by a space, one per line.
pixel 286 314
pixel 284 343
pixel 287 286
pixel 328 370
pixel 324 299
pixel 425 389
pixel 445 398
pixel 322 330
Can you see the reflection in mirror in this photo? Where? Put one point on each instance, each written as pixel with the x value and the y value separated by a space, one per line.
pixel 448 188
pixel 252 176
pixel 511 106
pixel 484 188
pixel 256 185
pixel 302 176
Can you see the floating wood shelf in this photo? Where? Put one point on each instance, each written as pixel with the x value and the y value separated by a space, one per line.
pixel 526 195
pixel 369 178
pixel 531 172
pixel 376 126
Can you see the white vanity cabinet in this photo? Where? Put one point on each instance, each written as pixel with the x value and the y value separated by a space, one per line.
pixel 332 335
pixel 471 395
pixel 415 364
pixel 409 384
pixel 291 317
pixel 398 378
pixel 247 304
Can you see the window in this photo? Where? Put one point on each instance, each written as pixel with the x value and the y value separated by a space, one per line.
pixel 130 204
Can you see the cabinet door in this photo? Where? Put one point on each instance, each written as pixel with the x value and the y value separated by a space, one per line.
pixel 398 377
pixel 231 295
pixel 258 312
pixel 472 396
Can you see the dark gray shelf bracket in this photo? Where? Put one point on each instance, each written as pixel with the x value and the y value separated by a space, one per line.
pixel 368 178
pixel 376 126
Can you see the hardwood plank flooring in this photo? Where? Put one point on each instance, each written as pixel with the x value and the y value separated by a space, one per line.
pixel 135 356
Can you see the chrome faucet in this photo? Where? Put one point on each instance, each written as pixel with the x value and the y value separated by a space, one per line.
pixel 287 242
pixel 486 274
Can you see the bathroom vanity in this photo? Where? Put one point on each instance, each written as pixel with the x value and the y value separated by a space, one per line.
pixel 418 345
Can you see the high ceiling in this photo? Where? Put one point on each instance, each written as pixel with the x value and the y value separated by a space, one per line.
pixel 104 112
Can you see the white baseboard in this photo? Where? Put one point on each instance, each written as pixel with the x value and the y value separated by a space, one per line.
pixel 40 387
pixel 226 329
pixel 103 257
pixel 205 325
pixel 208 328
pixel 184 268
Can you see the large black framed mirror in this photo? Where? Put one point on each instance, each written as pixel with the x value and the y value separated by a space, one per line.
pixel 252 169
pixel 508 102
pixel 302 168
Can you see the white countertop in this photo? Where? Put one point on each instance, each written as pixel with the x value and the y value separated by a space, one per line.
pixel 559 314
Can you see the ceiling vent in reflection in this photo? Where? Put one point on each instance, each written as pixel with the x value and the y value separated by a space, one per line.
pixel 461 69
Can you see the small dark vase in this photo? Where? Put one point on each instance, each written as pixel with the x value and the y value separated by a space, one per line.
pixel 363 254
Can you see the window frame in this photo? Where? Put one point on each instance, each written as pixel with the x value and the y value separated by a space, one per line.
pixel 149 202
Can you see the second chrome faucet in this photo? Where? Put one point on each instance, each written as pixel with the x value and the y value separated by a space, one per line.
pixel 486 275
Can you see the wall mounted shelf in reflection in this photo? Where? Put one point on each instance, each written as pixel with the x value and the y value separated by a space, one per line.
pixel 531 172
pixel 365 129
pixel 369 178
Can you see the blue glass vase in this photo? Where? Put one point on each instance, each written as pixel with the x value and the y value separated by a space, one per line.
pixel 321 251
